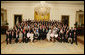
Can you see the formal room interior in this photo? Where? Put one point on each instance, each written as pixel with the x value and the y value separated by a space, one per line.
pixel 42 27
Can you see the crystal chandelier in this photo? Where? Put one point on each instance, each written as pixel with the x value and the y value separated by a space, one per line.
pixel 42 8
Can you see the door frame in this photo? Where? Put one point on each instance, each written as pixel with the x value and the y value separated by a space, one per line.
pixel 14 17
pixel 68 18
pixel 77 15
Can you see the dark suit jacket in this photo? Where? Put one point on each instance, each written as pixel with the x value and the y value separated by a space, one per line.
pixel 75 36
pixel 44 32
pixel 18 36
pixel 10 36
pixel 13 36
pixel 25 35
pixel 70 36
pixel 75 31
pixel 7 36
pixel 40 31
pixel 72 33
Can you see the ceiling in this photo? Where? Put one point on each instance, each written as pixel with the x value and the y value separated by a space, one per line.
pixel 50 2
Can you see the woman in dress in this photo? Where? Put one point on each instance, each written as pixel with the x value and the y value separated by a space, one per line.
pixel 20 36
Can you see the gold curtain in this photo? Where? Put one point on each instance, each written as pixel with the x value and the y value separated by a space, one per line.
pixel 41 15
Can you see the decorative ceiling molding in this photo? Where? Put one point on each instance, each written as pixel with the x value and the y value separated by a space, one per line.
pixel 49 2
pixel 67 2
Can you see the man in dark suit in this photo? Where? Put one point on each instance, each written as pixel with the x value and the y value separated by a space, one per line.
pixel 40 33
pixel 35 34
pixel 44 33
pixel 13 36
pixel 72 34
pixel 75 35
pixel 14 33
pixel 64 35
pixel 17 36
pixel 10 37
pixel 7 37
pixel 70 38
pixel 24 37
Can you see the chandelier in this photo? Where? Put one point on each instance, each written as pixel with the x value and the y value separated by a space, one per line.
pixel 42 8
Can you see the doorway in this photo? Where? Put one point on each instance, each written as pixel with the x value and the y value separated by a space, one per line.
pixel 17 19
pixel 65 20
pixel 80 22
pixel 80 18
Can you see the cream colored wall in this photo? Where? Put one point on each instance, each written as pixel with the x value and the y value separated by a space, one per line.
pixel 4 16
pixel 58 10
pixel 27 10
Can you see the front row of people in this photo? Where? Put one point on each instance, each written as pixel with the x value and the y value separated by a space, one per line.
pixel 52 35
pixel 19 37
pixel 62 36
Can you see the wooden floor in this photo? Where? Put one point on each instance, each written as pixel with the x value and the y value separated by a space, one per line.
pixel 42 47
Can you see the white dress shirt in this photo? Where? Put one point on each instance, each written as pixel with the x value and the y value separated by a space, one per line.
pixel 28 34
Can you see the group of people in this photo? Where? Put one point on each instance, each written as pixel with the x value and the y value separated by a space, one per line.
pixel 40 30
